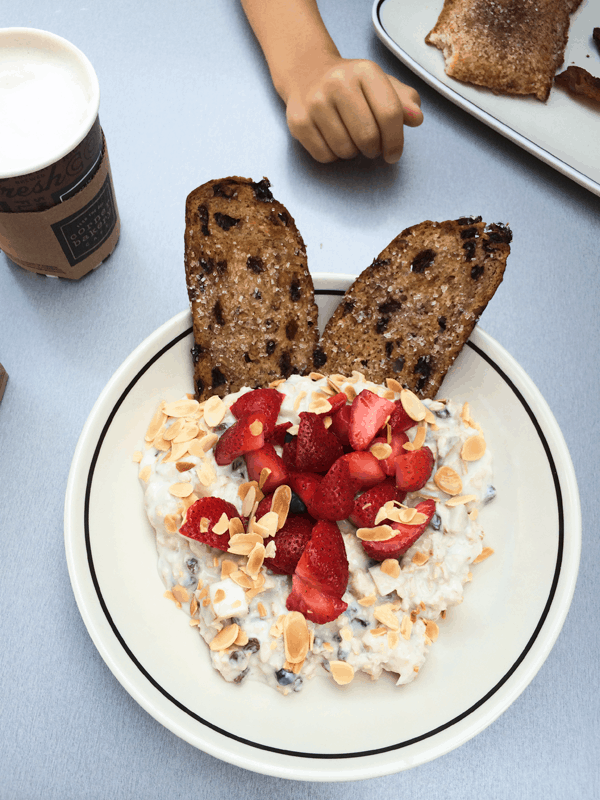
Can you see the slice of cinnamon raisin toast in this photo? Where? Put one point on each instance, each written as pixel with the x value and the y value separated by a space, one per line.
pixel 408 315
pixel 252 297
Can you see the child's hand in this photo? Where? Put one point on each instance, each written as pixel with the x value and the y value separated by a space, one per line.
pixel 349 106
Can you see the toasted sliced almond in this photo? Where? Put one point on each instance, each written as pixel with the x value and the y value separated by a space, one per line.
pixel 381 451
pixel 256 427
pixel 227 567
pixel 341 672
pixel 184 466
pixel 241 579
pixel 393 384
pixel 248 501
pixel 181 489
pixel 263 477
pixel 379 631
pixel 406 627
pixel 320 406
pixel 171 596
pixel 460 501
pixel 316 376
pixel 419 440
pixel 188 432
pixel 137 457
pixel 172 522
pixel 219 596
pixel 386 616
pixel 270 549
pixel 222 526
pixel 242 544
pixel 350 392
pixel 473 449
pixel 346 633
pixel 485 553
pixel 214 411
pixel 369 600
pixel 156 423
pixel 431 629
pixel 295 637
pixel 180 593
pixel 420 558
pixel 225 638
pixel 412 405
pixel 266 526
pixel 280 504
pixel 255 560
pixel 261 610
pixel 242 638
pixel 393 639
pixel 390 567
pixel 173 430
pixel 380 533
pixel 235 526
pixel 145 473
pixel 206 473
pixel 473 514
pixel 181 408
pixel 448 480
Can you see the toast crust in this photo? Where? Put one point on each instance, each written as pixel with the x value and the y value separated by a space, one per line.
pixel 408 315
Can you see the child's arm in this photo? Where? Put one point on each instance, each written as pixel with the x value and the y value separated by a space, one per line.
pixel 336 107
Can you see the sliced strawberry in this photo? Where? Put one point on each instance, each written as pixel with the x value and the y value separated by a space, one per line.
pixel 317 606
pixel 278 435
pixel 368 415
pixel 407 536
pixel 365 469
pixel 290 542
pixel 304 484
pixel 334 496
pixel 288 454
pixel 340 424
pixel 400 421
pixel 367 505
pixel 240 439
pixel 209 509
pixel 338 401
pixel 317 447
pixel 257 460
pixel 397 440
pixel 321 576
pixel 266 401
pixel 413 469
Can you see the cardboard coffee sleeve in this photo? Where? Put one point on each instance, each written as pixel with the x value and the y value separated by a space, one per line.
pixel 77 232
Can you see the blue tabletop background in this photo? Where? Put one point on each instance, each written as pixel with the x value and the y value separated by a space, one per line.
pixel 186 97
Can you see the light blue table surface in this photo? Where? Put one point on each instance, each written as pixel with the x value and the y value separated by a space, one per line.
pixel 185 97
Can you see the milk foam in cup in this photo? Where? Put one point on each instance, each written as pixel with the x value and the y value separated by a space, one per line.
pixel 58 214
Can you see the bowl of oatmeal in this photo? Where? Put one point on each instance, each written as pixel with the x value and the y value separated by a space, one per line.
pixel 437 649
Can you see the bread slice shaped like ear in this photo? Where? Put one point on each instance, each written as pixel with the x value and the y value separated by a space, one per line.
pixel 408 315
pixel 252 297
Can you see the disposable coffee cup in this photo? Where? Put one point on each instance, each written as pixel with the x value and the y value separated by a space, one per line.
pixel 58 214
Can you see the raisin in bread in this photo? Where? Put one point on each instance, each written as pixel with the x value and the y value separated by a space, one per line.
pixel 408 315
pixel 508 46
pixel 252 298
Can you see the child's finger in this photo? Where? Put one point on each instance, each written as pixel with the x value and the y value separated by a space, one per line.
pixel 304 130
pixel 334 131
pixel 411 102
pixel 360 123
pixel 386 109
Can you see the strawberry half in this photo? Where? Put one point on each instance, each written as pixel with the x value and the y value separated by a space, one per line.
pixel 240 439
pixel 266 401
pixel 304 484
pixel 413 469
pixel 367 505
pixel 365 469
pixel 290 541
pixel 340 424
pixel 338 401
pixel 209 509
pixel 321 576
pixel 257 460
pixel 316 447
pixel 368 415
pixel 278 434
pixel 407 536
pixel 398 440
pixel 399 420
pixel 334 496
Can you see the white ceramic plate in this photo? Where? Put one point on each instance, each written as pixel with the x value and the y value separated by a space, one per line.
pixel 488 650
pixel 563 132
